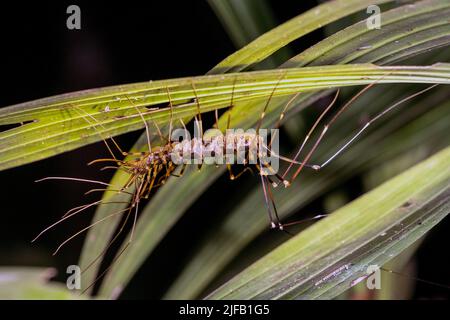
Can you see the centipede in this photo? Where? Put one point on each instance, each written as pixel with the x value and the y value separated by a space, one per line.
pixel 150 169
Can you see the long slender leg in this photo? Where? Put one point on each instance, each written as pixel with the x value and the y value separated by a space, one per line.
pixel 227 135
pixel 146 182
pixel 216 112
pixel 130 181
pixel 161 136
pixel 133 228
pixel 282 114
pixel 216 117
pixel 273 225
pixel 171 114
pixel 151 185
pixel 280 225
pixel 231 104
pixel 184 125
pixel 327 109
pixel 272 172
pixel 183 168
pixel 104 160
pixel 162 180
pixel 269 192
pixel 198 122
pixel 168 170
pixel 116 258
pixel 103 252
pixel 318 216
pixel 118 162
pixel 233 176
pixel 72 212
pixel 367 124
pixel 199 114
pixel 340 111
pixel 109 168
pixel 147 130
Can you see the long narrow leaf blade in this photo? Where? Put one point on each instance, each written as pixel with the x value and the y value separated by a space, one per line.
pixel 333 254
pixel 63 123
pixel 299 26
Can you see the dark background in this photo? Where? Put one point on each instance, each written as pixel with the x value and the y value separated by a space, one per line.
pixel 119 42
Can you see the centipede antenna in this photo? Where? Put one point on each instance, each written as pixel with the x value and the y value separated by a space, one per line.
pixel 106 190
pixel 109 167
pixel 85 229
pixel 342 109
pixel 72 212
pixel 75 179
pixel 74 209
pixel 159 131
pixel 65 217
pixel 105 160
